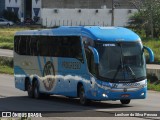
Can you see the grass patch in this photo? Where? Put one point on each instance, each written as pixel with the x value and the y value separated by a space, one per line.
pixel 6 65
pixel 8 39
pixel 6 61
pixel 5 45
pixel 6 69
pixel 154 86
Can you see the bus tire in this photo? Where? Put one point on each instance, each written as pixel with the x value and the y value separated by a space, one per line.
pixel 29 90
pixel 83 100
pixel 125 101
pixel 37 94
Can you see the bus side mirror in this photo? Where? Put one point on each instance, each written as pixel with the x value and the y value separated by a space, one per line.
pixel 95 54
pixel 151 54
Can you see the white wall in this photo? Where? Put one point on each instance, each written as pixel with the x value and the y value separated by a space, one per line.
pixel 85 17
pixel 72 17
pixel 13 3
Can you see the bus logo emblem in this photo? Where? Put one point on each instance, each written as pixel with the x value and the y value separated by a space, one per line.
pixel 49 75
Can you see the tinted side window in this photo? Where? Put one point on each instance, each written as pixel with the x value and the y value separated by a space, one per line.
pixel 69 46
pixel 16 44
pixel 55 46
pixel 28 47
pixel 43 46
pixel 22 45
pixel 60 46
pixel 34 45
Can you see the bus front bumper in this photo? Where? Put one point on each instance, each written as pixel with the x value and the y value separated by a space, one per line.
pixel 117 94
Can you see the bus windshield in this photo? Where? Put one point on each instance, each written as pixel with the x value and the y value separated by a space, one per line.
pixel 121 62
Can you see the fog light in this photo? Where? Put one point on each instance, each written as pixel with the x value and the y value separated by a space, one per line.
pixel 142 94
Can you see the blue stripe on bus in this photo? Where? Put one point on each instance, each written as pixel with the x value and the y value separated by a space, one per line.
pixel 18 70
pixel 39 63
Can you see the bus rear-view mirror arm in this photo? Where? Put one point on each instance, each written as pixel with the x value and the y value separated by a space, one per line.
pixel 151 54
pixel 95 54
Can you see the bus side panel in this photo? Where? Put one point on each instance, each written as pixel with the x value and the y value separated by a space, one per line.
pixel 19 78
pixel 73 71
pixel 49 82
pixel 62 80
pixel 25 66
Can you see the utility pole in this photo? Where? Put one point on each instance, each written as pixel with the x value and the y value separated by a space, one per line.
pixel 112 19
pixel 22 10
pixel 151 19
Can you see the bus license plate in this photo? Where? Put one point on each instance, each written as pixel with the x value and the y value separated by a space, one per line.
pixel 125 95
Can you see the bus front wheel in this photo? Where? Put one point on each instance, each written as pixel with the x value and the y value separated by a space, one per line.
pixel 83 99
pixel 125 101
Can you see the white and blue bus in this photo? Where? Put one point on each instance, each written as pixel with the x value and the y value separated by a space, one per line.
pixel 85 62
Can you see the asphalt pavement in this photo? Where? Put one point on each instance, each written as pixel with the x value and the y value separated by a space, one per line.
pixel 6 52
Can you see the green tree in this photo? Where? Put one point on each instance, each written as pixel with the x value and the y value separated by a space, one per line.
pixel 147 18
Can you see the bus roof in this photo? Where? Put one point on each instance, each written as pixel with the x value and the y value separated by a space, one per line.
pixel 94 32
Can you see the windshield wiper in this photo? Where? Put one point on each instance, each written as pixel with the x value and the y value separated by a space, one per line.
pixel 119 68
pixel 128 68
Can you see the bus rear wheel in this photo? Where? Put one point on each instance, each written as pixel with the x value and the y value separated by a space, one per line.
pixel 29 90
pixel 83 99
pixel 37 94
pixel 125 101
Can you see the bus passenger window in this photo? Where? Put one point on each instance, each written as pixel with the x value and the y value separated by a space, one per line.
pixel 16 44
pixel 33 45
pixel 28 45
pixel 22 46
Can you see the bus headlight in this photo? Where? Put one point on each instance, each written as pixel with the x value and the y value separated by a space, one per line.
pixel 104 95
